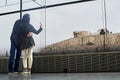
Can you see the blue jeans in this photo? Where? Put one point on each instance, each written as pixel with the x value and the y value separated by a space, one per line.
pixel 14 58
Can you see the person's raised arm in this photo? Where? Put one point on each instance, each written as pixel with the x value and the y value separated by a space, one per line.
pixel 32 29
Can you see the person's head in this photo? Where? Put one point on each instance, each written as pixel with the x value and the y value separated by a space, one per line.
pixel 26 18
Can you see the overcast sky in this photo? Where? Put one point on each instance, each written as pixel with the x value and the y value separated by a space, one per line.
pixel 60 21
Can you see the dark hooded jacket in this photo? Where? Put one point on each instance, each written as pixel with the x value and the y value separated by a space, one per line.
pixel 16 33
pixel 27 42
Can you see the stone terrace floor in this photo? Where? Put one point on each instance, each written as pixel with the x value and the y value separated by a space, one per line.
pixel 62 76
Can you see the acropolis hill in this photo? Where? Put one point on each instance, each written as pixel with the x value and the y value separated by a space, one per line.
pixel 83 42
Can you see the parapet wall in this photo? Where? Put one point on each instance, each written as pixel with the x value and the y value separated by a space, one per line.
pixel 87 62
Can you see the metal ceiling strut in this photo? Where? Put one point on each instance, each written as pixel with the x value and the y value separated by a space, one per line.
pixel 47 6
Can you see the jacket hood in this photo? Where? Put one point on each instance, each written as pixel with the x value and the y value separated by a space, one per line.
pixel 26 18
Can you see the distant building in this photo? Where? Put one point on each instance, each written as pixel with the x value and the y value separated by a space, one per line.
pixel 103 30
pixel 80 34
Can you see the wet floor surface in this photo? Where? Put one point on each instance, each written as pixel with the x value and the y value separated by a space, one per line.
pixel 62 76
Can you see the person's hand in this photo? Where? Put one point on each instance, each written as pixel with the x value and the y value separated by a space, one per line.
pixel 40 25
pixel 30 34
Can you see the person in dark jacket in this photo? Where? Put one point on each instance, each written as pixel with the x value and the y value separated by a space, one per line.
pixel 27 43
pixel 15 51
